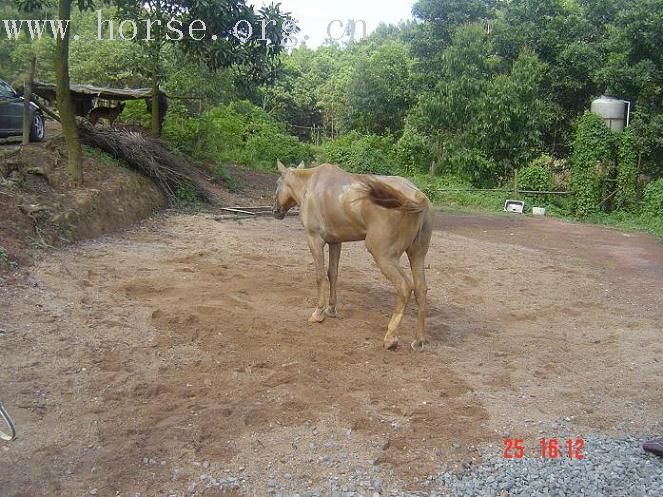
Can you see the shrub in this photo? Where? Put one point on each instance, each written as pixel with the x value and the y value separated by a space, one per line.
pixel 135 112
pixel 627 164
pixel 592 151
pixel 185 196
pixel 236 133
pixel 653 199
pixel 222 135
pixel 359 153
pixel 263 150
pixel 414 151
pixel 545 161
pixel 535 177
pixel 182 132
pixel 469 163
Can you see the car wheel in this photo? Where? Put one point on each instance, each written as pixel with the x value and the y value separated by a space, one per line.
pixel 37 131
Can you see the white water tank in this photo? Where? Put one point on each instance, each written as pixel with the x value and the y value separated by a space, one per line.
pixel 615 112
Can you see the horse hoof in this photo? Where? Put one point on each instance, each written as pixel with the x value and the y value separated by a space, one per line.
pixel 317 317
pixel 331 312
pixel 418 345
pixel 391 344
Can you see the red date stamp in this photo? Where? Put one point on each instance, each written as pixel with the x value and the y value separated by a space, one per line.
pixel 549 448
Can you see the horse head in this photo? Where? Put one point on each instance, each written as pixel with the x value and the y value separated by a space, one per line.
pixel 284 198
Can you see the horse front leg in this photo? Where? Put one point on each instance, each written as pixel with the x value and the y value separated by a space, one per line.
pixel 317 246
pixel 332 274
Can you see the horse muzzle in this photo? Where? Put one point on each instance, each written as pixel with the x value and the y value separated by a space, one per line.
pixel 278 214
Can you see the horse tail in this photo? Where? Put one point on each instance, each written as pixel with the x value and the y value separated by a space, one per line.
pixel 389 197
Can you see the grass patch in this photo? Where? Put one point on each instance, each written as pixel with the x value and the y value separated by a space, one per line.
pixel 630 222
pixel 185 196
pixel 466 201
pixel 103 157
pixel 556 206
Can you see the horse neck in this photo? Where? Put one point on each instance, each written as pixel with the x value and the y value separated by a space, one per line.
pixel 299 184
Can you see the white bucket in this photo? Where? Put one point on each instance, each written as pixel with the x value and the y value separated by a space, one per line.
pixel 539 211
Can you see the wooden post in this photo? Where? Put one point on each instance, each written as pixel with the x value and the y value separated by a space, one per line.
pixel 156 125
pixel 27 98
pixel 515 183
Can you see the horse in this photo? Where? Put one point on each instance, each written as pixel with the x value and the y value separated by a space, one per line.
pixel 388 212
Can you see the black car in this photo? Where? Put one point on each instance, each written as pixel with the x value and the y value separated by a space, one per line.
pixel 11 115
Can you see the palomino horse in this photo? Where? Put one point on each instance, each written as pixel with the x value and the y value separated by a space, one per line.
pixel 388 212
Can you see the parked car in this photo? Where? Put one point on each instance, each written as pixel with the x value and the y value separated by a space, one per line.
pixel 11 115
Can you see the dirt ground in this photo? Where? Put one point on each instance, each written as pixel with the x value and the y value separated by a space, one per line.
pixel 145 362
pixel 39 208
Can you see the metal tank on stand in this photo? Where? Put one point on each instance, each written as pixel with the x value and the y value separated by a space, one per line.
pixel 614 111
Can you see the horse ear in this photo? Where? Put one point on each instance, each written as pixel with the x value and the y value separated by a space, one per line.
pixel 301 165
pixel 282 168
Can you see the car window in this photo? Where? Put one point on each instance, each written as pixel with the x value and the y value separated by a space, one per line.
pixel 5 90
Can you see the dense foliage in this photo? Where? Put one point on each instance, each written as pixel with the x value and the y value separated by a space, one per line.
pixel 361 153
pixel 653 204
pixel 239 132
pixel 473 90
pixel 627 164
pixel 535 178
pixel 591 161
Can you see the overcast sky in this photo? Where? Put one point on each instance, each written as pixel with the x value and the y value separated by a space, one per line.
pixel 315 15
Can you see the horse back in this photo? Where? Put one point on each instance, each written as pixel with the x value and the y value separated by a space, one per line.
pixel 339 206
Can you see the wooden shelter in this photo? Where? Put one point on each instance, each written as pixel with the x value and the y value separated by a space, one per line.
pixel 86 98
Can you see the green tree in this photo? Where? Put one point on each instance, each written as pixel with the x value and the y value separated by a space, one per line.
pixel 234 35
pixel 481 109
pixel 293 98
pixel 380 89
pixel 438 20
pixel 63 88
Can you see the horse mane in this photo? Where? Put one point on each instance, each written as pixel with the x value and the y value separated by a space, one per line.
pixel 304 172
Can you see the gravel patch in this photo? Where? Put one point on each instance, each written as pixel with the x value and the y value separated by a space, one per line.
pixel 611 467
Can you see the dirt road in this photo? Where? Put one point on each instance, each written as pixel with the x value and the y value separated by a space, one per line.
pixel 156 361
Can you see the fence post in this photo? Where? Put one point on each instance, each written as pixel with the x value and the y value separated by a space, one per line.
pixel 515 183
pixel 27 98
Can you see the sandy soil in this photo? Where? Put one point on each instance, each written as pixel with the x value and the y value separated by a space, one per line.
pixel 137 363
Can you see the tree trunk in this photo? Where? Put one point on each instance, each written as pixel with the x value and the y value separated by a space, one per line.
pixel 156 122
pixel 65 104
pixel 27 98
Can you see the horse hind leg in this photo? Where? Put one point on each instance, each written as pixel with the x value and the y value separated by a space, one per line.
pixel 390 267
pixel 332 275
pixel 416 253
